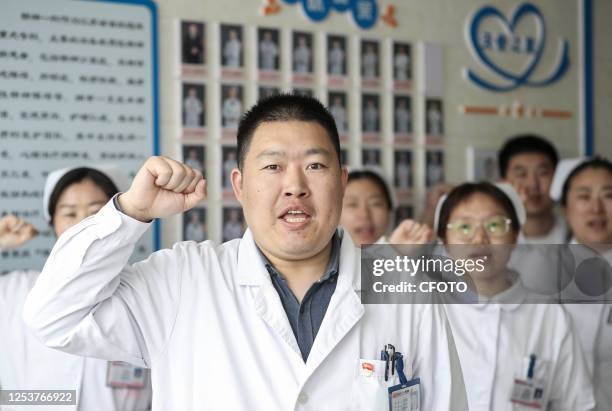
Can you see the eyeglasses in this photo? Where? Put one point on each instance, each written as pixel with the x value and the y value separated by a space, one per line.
pixel 495 227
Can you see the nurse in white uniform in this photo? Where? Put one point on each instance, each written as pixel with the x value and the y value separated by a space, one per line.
pixel 25 363
pixel 584 187
pixel 514 355
pixel 217 323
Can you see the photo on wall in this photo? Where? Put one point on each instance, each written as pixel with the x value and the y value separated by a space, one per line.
pixel 233 223
pixel 402 65
pixel 403 212
pixel 402 172
pixel 232 51
pixel 193 106
pixel 302 55
pixel 194 156
pixel 482 164
pixel 434 120
pixel 194 225
pixel 268 53
pixel 370 117
pixel 232 107
pixel 402 119
pixel 337 101
pixel 434 168
pixel 192 48
pixel 370 63
pixel 265 92
pixel 371 158
pixel 337 60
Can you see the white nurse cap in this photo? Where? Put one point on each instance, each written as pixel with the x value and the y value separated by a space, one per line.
pixel 562 172
pixel 113 172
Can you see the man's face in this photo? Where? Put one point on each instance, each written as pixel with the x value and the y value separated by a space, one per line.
pixel 193 30
pixel 291 188
pixel 531 175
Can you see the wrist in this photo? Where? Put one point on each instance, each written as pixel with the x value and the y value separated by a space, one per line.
pixel 124 205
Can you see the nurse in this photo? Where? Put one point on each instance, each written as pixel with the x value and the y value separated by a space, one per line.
pixel 270 321
pixel 584 187
pixel 366 208
pixel 70 196
pixel 514 355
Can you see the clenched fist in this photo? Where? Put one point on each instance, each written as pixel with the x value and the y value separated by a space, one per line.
pixel 15 232
pixel 161 188
pixel 409 232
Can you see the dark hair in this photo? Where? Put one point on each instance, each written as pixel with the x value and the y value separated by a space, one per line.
pixel 596 162
pixel 75 176
pixel 284 107
pixel 525 144
pixel 376 179
pixel 462 192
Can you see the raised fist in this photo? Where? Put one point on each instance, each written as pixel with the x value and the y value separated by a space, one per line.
pixel 15 232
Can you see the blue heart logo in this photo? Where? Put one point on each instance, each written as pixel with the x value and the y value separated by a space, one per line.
pixel 513 80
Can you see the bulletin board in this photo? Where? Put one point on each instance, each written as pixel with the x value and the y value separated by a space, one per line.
pixel 78 86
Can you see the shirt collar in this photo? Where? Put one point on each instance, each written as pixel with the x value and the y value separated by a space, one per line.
pixel 333 266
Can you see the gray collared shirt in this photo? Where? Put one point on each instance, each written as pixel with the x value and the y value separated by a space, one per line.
pixel 306 318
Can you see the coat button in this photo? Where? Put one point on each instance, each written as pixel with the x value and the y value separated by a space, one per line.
pixel 303 398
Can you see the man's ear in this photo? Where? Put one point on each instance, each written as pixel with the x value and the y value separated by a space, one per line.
pixel 344 177
pixel 236 178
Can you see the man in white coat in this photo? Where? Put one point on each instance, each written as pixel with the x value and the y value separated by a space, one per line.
pixel 271 321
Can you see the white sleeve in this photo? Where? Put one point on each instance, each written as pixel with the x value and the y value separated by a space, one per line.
pixel 88 301
pixel 572 387
pixel 438 366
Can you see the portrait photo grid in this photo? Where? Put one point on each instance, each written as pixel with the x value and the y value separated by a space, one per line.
pixel 385 122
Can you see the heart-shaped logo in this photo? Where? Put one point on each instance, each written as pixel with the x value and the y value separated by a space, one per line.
pixel 530 48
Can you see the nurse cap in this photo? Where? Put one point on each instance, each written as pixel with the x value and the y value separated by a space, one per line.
pixel 507 189
pixel 113 172
pixel 562 172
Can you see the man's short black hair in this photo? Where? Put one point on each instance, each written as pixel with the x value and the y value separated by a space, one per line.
pixel 594 163
pixel 284 107
pixel 525 144
pixel 376 179
pixel 77 175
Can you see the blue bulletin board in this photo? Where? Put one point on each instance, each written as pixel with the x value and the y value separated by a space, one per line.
pixel 78 86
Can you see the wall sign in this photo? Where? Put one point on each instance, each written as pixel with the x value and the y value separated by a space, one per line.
pixel 364 12
pixel 511 41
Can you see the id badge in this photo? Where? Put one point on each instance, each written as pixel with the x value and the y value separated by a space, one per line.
pixel 123 375
pixel 528 393
pixel 405 397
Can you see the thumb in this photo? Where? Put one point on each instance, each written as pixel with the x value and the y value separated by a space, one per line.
pixel 199 194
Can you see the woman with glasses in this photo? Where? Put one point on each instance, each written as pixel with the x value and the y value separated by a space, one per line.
pixel 584 188
pixel 514 355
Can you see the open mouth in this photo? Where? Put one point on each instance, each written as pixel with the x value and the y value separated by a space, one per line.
pixel 295 217
pixel 598 225
pixel 365 231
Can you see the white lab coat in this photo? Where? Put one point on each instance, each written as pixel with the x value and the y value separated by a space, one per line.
pixel 494 342
pixel 232 110
pixel 594 325
pixel 26 364
pixel 267 53
pixel 210 323
pixel 301 60
pixel 231 52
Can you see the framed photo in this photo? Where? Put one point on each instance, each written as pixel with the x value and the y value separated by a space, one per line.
pixel 302 64
pixel 434 120
pixel 308 92
pixel 482 164
pixel 193 110
pixel 370 63
pixel 194 225
pixel 194 156
pixel 233 223
pixel 268 54
pixel 370 117
pixel 336 60
pixel 193 48
pixel 402 65
pixel 434 168
pixel 371 158
pixel 229 158
pixel 402 118
pixel 265 92
pixel 402 171
pixel 337 101
pixel 231 108
pixel 232 53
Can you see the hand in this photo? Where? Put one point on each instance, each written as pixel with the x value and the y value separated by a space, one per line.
pixel 15 232
pixel 409 232
pixel 161 188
